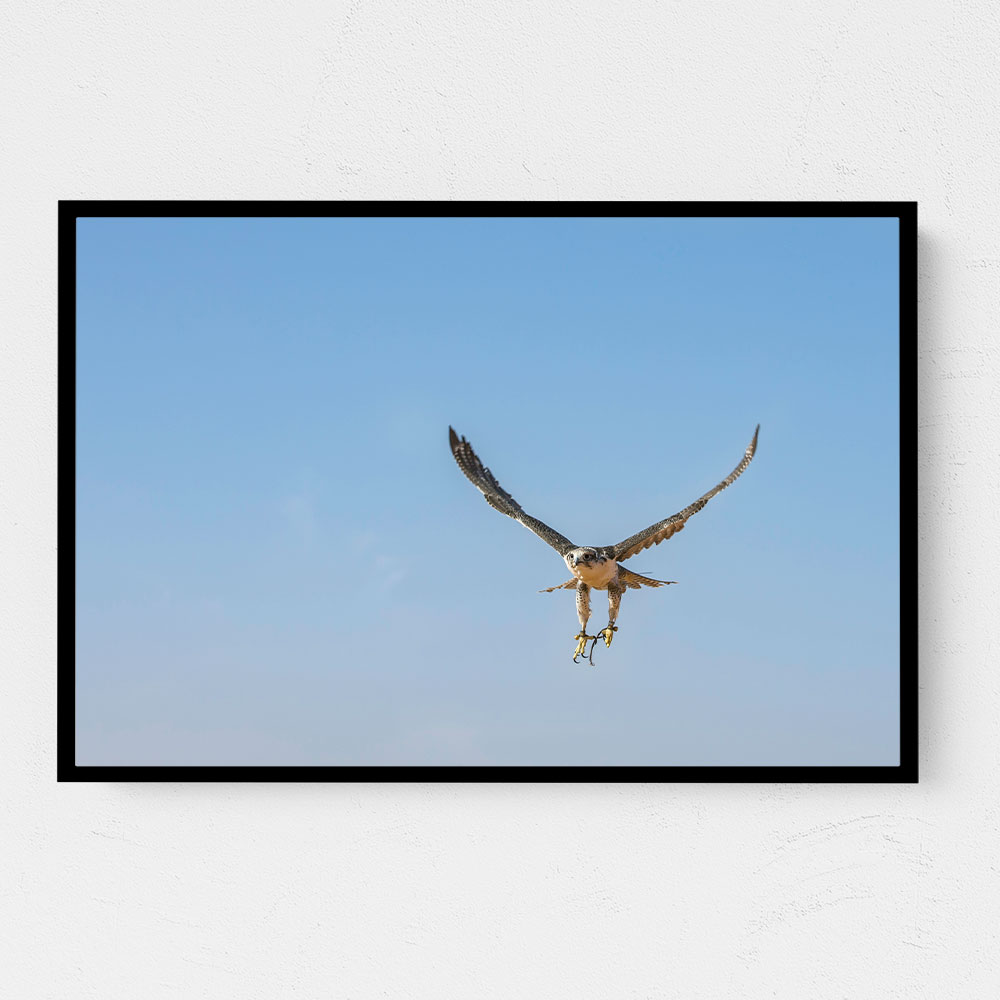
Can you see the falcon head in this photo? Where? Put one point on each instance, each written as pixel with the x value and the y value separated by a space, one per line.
pixel 590 567
pixel 583 556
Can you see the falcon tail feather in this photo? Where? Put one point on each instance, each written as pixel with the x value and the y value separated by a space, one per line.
pixel 636 580
pixel 626 577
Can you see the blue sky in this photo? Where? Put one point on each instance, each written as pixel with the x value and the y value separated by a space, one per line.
pixel 280 563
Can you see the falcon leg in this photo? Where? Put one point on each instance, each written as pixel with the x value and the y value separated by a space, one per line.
pixel 583 613
pixel 614 603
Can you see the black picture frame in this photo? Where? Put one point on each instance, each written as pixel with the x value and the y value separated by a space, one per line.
pixel 67 768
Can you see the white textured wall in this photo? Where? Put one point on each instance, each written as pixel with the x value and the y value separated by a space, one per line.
pixel 396 891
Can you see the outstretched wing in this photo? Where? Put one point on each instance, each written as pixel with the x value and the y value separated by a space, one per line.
pixel 656 533
pixel 497 497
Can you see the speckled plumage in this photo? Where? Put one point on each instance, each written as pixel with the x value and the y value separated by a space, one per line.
pixel 592 567
pixel 583 604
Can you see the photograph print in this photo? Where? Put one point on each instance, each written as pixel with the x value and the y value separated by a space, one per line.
pixel 279 422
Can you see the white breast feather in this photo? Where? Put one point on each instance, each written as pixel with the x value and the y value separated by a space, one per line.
pixel 598 576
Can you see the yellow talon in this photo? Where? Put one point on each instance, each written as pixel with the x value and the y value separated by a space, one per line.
pixel 608 634
pixel 581 643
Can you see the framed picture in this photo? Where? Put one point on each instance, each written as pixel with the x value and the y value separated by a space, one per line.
pixel 279 420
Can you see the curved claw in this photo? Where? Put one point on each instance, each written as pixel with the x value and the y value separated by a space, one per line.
pixel 581 646
pixel 607 634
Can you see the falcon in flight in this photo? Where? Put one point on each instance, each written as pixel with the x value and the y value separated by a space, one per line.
pixel 593 567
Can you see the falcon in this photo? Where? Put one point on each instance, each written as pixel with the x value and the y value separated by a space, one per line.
pixel 593 567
